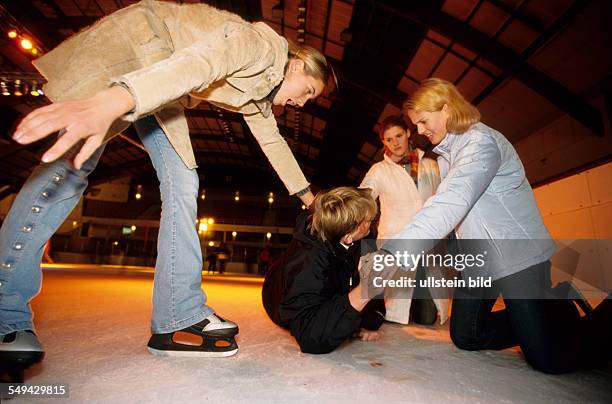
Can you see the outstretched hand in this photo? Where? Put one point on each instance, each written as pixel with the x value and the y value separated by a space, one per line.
pixel 374 269
pixel 88 119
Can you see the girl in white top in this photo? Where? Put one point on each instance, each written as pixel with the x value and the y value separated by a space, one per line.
pixel 403 181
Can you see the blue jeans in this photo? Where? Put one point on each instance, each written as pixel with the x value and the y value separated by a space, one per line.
pixel 50 194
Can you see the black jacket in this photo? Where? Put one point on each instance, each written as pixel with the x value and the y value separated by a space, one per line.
pixel 307 290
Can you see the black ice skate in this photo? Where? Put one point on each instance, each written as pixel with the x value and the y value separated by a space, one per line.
pixel 18 351
pixel 217 340
pixel 567 290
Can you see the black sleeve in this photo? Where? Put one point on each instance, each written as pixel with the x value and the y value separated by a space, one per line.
pixel 373 314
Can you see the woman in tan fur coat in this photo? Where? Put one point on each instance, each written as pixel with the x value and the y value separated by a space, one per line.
pixel 143 64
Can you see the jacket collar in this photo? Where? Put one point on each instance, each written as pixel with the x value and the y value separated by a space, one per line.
pixel 451 141
pixel 389 160
pixel 443 148
pixel 302 233
pixel 273 75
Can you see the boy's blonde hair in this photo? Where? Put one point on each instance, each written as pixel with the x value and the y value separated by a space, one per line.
pixel 431 96
pixel 339 211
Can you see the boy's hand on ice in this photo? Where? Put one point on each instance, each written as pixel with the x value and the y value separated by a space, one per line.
pixel 366 335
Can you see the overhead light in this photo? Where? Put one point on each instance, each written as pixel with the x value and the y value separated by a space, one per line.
pixel 26 44
pixel 133 228
pixel 268 235
pixel 203 227
pixel 17 88
pixel 138 193
pixel 211 243
pixel 34 51
pixel 203 195
pixel 34 90
pixel 234 234
pixel 12 34
pixel 237 196
pixel 271 197
pixel 4 88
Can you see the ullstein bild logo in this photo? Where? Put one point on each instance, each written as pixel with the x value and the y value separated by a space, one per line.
pixel 431 282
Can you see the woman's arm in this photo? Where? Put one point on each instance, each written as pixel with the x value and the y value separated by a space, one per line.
pixel 274 146
pixel 87 120
pixel 307 198
pixel 475 166
pixel 229 48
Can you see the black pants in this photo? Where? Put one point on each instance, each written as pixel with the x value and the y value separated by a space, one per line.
pixel 552 335
pixel 422 309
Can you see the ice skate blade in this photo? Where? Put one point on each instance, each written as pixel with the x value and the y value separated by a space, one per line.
pixel 193 354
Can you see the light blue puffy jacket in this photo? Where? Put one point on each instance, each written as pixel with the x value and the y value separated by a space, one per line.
pixel 484 195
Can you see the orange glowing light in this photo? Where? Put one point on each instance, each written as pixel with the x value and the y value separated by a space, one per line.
pixel 26 44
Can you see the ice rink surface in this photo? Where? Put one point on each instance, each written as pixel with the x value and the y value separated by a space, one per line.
pixel 95 328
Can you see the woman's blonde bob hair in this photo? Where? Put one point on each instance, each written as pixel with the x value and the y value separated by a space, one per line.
pixel 431 96
pixel 315 64
pixel 339 211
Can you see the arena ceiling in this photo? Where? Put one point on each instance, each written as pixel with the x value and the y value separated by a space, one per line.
pixel 524 63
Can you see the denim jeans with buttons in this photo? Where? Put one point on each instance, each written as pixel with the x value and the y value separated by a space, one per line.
pixel 50 194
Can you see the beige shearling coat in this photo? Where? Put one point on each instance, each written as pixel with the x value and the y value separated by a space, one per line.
pixel 171 56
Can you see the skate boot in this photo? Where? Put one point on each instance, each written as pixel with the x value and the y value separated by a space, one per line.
pixel 569 291
pixel 217 337
pixel 18 351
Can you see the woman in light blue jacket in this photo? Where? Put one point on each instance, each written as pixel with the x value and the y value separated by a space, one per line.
pixel 486 199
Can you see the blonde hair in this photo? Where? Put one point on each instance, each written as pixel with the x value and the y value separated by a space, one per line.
pixel 431 96
pixel 339 211
pixel 315 64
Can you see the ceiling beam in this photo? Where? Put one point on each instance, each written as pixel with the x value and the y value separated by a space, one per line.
pixel 310 108
pixel 211 172
pixel 75 23
pixel 529 21
pixel 10 188
pixel 422 13
pixel 30 16
pixel 237 118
